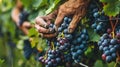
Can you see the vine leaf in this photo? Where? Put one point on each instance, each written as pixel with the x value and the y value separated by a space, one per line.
pixel 98 63
pixel 42 45
pixel 93 36
pixel 108 1
pixel 1 61
pixel 53 6
pixel 32 32
pixel 40 3
pixel 34 41
pixel 111 64
pixel 112 9
pixel 27 3
pixel 89 53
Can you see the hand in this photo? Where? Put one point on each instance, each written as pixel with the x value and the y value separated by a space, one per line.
pixel 42 24
pixel 76 8
pixel 25 27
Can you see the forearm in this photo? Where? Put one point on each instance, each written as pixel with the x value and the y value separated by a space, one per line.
pixel 15 15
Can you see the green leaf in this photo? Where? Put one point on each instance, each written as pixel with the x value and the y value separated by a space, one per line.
pixel 20 44
pixel 33 32
pixel 108 1
pixel 33 15
pixel 53 6
pixel 1 61
pixel 42 44
pixel 93 36
pixel 34 41
pixel 27 4
pixel 40 3
pixel 111 64
pixel 89 53
pixel 98 63
pixel 112 9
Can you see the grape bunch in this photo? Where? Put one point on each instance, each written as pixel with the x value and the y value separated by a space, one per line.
pixel 79 45
pixel 63 39
pixel 109 47
pixel 100 22
pixel 63 44
pixel 66 47
pixel 52 59
pixel 98 19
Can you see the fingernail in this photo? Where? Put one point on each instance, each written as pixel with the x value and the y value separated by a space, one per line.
pixel 56 28
pixel 51 30
pixel 70 30
pixel 45 26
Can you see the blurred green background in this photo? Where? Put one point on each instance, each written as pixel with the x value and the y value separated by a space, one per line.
pixel 11 38
pixel 11 55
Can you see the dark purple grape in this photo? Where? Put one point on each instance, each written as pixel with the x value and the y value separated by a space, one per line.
pixel 105 48
pixel 79 51
pixel 94 25
pixel 99 27
pixel 109 30
pixel 112 50
pixel 113 41
pixel 60 29
pixel 107 52
pixel 58 60
pixel 96 14
pixel 49 63
pixel 118 35
pixel 108 59
pixel 114 55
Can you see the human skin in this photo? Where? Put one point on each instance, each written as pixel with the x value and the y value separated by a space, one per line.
pixel 75 8
pixel 15 16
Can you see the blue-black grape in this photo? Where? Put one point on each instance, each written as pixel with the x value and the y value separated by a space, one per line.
pixel 66 47
pixel 109 47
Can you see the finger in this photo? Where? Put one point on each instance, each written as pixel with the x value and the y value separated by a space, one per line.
pixel 59 19
pixel 41 21
pixel 27 24
pixel 73 23
pixel 25 30
pixel 41 29
pixel 49 35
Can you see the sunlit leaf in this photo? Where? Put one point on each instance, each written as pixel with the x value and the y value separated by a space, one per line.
pixel 112 9
pixel 108 1
pixel 93 36
pixel 98 63
pixel 32 32
pixel 53 6
pixel 40 3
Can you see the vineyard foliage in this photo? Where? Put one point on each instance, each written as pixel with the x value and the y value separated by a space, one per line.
pixel 12 38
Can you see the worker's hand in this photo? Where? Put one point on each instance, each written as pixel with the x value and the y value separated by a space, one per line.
pixel 42 26
pixel 25 27
pixel 75 8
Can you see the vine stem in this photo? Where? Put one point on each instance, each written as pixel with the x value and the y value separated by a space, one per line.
pixel 113 26
pixel 53 45
pixel 115 64
pixel 113 35
pixel 46 54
